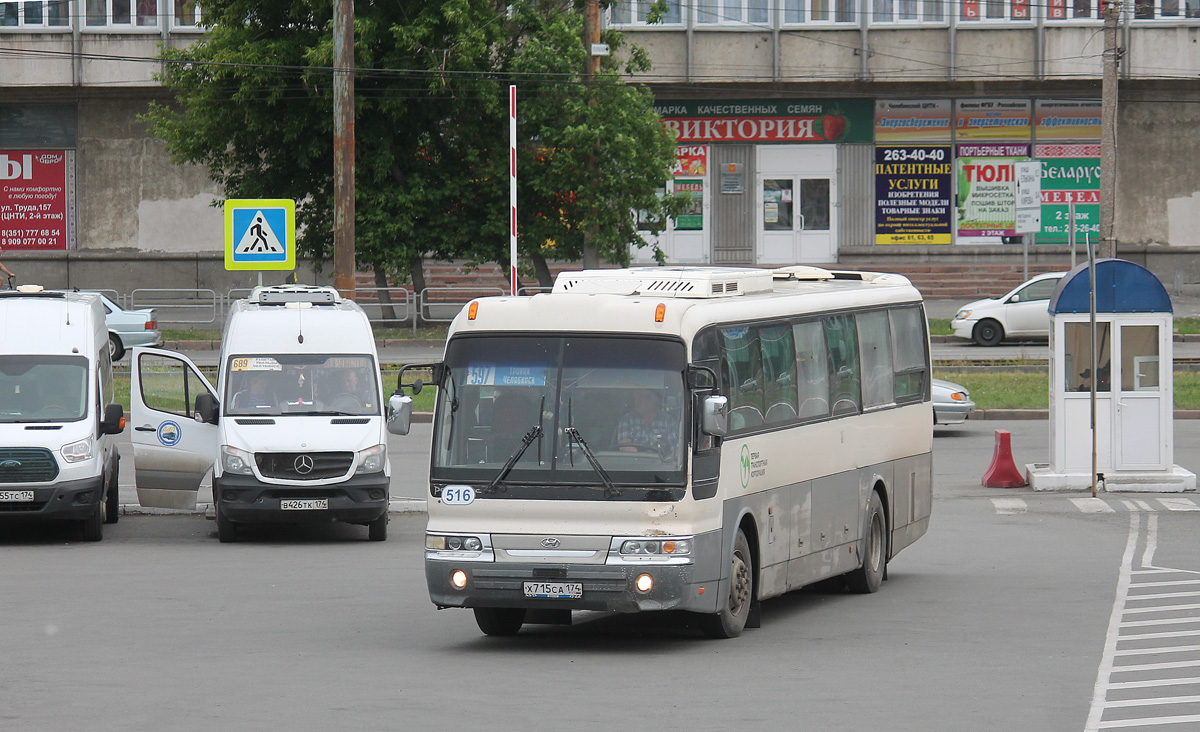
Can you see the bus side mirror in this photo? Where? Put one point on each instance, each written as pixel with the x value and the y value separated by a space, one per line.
pixel 701 378
pixel 207 408
pixel 399 414
pixel 114 420
pixel 714 416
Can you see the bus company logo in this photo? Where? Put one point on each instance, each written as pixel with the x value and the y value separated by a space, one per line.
pixel 169 433
pixel 745 461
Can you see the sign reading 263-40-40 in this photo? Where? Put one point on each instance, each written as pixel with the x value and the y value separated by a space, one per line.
pixel 260 234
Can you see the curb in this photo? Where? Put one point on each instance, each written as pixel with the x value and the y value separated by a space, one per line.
pixel 1045 414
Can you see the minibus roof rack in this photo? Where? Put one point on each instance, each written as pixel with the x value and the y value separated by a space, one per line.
pixel 283 294
pixel 682 282
pixel 31 291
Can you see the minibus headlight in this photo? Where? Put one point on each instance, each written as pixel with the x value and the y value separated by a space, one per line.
pixel 77 451
pixel 453 543
pixel 657 547
pixel 372 459
pixel 236 461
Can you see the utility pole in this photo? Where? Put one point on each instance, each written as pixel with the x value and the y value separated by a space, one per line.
pixel 343 148
pixel 591 36
pixel 1108 131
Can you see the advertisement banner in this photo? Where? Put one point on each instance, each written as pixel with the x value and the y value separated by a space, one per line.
pixel 1067 119
pixel 692 218
pixel 1070 174
pixel 34 200
pixel 987 191
pixel 993 119
pixel 922 120
pixel 691 160
pixel 912 195
pixel 769 120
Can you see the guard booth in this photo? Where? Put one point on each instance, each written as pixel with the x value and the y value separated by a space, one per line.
pixel 1133 377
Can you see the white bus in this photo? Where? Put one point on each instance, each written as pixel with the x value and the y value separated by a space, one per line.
pixel 676 438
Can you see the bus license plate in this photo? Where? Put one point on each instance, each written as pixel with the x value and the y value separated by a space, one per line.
pixel 307 504
pixel 554 590
pixel 11 496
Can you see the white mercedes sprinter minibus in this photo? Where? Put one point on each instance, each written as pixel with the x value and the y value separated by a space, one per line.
pixel 57 410
pixel 294 430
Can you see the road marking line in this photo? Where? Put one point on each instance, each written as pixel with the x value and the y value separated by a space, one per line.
pixel 1160 621
pixel 1100 691
pixel 1156 651
pixel 1151 541
pixel 1139 610
pixel 1130 505
pixel 1148 721
pixel 1179 504
pixel 1150 702
pixel 1010 505
pixel 1146 506
pixel 1187 681
pixel 1155 666
pixel 1147 636
pixel 1170 583
pixel 1164 595
pixel 1092 505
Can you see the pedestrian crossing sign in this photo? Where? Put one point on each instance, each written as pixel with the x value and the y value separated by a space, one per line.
pixel 260 234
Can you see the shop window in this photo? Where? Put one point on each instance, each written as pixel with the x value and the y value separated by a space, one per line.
pixel 777 204
pixel 814 204
pixel 692 191
pixel 1077 357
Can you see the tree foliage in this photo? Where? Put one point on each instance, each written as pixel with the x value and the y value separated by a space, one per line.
pixel 255 106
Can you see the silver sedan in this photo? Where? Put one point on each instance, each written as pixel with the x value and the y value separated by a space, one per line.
pixel 951 402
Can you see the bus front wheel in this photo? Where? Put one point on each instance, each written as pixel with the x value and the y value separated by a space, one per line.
pixel 869 576
pixel 500 621
pixel 731 619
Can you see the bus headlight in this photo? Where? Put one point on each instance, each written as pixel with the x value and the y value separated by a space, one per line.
pixel 77 451
pixel 458 579
pixel 644 583
pixel 236 461
pixel 372 459
pixel 442 543
pixel 657 547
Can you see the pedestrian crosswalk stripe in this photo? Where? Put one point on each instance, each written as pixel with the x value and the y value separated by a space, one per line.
pixel 1009 505
pixel 1092 505
pixel 1179 504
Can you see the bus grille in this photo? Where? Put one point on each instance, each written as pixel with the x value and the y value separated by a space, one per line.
pixel 295 465
pixel 27 465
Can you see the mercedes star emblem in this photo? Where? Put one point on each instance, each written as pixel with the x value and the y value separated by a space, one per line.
pixel 303 465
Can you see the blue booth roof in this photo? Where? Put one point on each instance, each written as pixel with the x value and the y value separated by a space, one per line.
pixel 1121 287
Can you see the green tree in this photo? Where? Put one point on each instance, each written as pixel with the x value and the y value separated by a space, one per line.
pixel 254 105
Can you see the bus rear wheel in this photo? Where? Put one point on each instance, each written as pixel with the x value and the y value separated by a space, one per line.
pixel 730 620
pixel 869 576
pixel 500 621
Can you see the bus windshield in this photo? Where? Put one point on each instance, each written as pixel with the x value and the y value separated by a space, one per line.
pixel 276 384
pixel 596 413
pixel 43 388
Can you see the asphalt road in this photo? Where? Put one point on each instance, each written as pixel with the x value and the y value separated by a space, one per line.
pixel 1006 616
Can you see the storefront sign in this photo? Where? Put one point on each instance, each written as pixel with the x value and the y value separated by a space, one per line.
pixel 912 194
pixel 1067 119
pixel 692 218
pixel 992 119
pixel 691 160
pixel 1070 174
pixel 772 120
pixel 987 193
pixel 34 199
pixel 923 120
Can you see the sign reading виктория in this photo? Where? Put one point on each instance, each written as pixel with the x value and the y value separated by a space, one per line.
pixel 260 234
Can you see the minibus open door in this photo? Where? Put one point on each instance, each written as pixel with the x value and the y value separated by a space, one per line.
pixel 173 447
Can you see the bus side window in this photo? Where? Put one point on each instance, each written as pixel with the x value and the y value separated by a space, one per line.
pixel 812 370
pixel 840 337
pixel 875 350
pixel 779 373
pixel 908 354
pixel 743 364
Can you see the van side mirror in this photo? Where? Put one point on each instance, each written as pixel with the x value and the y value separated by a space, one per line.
pixel 714 416
pixel 114 420
pixel 208 409
pixel 399 414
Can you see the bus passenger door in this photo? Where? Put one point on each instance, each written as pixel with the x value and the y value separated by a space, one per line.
pixel 172 449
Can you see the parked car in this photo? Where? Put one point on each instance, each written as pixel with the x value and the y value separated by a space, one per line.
pixel 1019 313
pixel 127 328
pixel 951 402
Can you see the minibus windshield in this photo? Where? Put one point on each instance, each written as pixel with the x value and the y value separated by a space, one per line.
pixel 43 388
pixel 314 384
pixel 592 412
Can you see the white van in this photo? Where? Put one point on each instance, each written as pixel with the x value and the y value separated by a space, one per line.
pixel 294 431
pixel 57 416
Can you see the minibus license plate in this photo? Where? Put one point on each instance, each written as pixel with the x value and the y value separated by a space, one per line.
pixel 307 504
pixel 554 590
pixel 10 496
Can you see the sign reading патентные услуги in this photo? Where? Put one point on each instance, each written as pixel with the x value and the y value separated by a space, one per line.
pixel 912 194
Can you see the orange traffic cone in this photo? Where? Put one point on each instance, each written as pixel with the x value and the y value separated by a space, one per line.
pixel 1003 473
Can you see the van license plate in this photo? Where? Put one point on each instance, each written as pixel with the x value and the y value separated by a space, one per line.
pixel 307 504
pixel 11 496
pixel 554 590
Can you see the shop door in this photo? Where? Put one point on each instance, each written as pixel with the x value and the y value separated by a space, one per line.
pixel 689 230
pixel 1138 400
pixel 797 197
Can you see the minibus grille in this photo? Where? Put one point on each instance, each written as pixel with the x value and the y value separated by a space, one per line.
pixel 296 465
pixel 27 465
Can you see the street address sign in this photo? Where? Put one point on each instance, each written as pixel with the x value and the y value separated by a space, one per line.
pixel 260 234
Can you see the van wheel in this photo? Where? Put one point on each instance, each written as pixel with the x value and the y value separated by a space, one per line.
pixel 226 530
pixel 988 333
pixel 93 526
pixel 116 349
pixel 869 576
pixel 500 621
pixel 112 504
pixel 377 529
pixel 731 619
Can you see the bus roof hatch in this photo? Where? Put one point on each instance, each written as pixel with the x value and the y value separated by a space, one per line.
pixel 689 282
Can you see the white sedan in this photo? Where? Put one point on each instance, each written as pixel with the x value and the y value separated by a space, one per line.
pixel 1019 313
pixel 127 328
pixel 951 402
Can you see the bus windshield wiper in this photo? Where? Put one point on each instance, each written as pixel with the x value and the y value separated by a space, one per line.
pixel 526 441
pixel 610 489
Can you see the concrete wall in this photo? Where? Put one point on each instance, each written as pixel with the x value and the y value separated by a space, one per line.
pixel 1158 181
